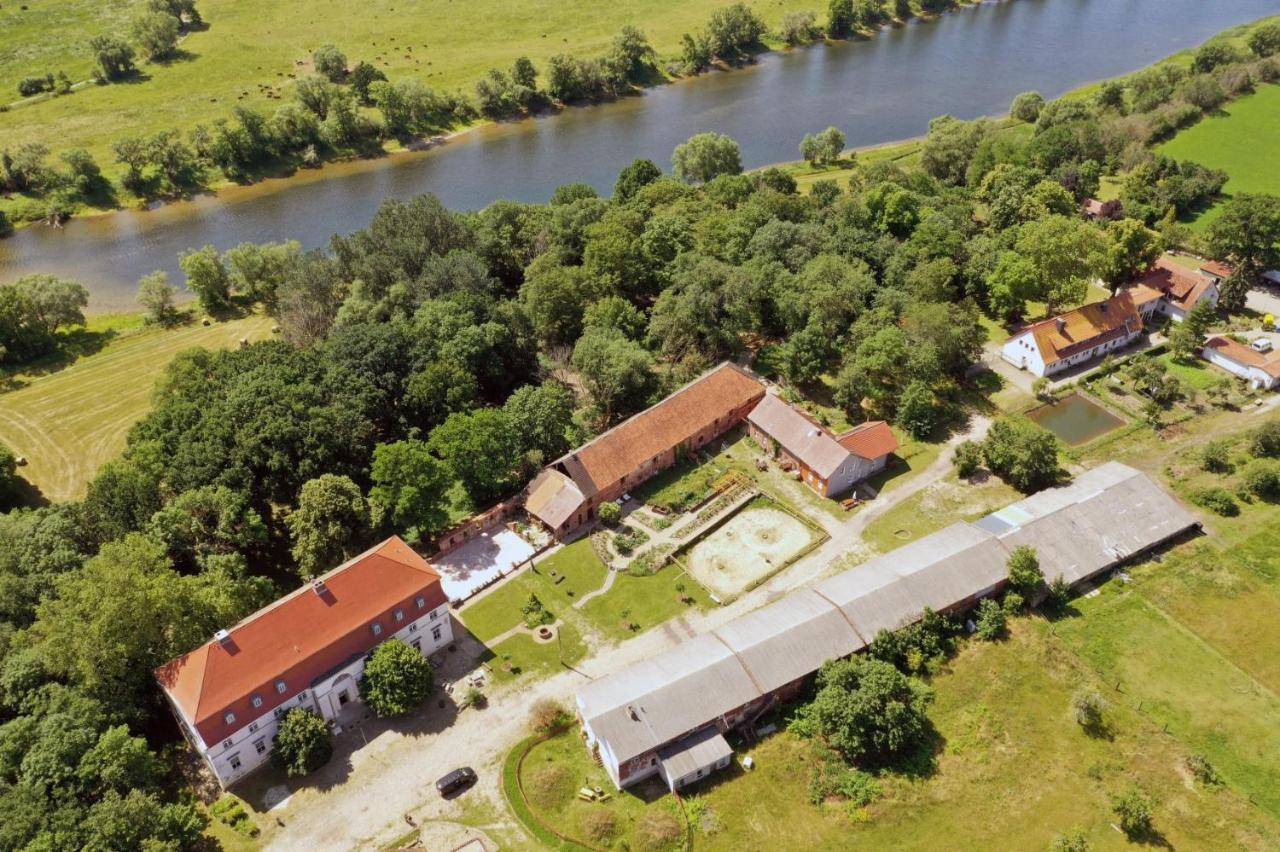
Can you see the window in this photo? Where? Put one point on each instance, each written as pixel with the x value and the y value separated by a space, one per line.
pixel 257 700
pixel 417 645
pixel 229 717
pixel 413 628
pixel 376 628
pixel 226 743
pixel 234 760
pixel 435 633
pixel 399 614
pixel 253 727
pixel 279 711
pixel 434 614
pixel 302 694
pixel 260 745
pixel 421 601
pixel 280 687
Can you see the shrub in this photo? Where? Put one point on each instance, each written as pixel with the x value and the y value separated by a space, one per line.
pixel 1134 811
pixel 474 698
pixel 1025 576
pixel 1204 771
pixel 1088 707
pixel 397 679
pixel 1216 500
pixel 1021 453
pixel 609 513
pixel 303 742
pixel 535 614
pixel 547 715
pixel 1059 593
pixel 1264 441
pixel 1072 841
pixel 229 810
pixel 330 62
pixel 968 458
pixel 599 825
pixel 832 779
pixel 991 620
pixel 1026 106
pixel 1215 457
pixel 1262 478
pixel 655 830
pixel 799 27
pixel 549 786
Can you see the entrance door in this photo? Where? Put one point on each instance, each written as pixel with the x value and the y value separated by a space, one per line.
pixel 343 698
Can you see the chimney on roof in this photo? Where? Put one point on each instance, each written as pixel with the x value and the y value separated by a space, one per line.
pixel 631 711
pixel 318 586
pixel 222 636
pixel 1062 325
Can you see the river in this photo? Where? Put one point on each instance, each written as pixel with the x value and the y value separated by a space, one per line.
pixel 967 63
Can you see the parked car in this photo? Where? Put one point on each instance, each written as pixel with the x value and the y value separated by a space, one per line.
pixel 456 780
pixel 1262 344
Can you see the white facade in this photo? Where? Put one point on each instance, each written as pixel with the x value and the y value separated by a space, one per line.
pixel 249 747
pixel 1022 352
pixel 1258 378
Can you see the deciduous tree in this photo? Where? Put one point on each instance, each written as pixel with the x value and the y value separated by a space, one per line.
pixel 397 679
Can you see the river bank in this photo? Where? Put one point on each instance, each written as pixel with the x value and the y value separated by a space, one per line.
pixel 24 210
pixel 865 88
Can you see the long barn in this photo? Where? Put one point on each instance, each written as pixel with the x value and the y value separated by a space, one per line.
pixel 667 715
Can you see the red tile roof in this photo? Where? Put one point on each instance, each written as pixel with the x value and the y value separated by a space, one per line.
pixel 869 440
pixel 1216 267
pixel 1092 325
pixel 1268 362
pixel 299 638
pixel 685 414
pixel 1181 286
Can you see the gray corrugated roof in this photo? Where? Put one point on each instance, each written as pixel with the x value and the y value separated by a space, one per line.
pixel 799 435
pixel 699 749
pixel 1104 517
pixel 796 634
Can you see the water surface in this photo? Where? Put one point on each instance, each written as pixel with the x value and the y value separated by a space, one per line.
pixel 1075 419
pixel 967 63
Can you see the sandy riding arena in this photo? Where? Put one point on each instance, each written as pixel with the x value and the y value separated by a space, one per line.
pixel 749 546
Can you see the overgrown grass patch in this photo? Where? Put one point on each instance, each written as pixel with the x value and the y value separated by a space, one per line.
pixel 635 604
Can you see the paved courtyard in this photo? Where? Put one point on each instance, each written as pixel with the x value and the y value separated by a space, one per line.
pixel 486 557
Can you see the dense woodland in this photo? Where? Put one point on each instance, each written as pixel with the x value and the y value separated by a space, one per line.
pixel 433 361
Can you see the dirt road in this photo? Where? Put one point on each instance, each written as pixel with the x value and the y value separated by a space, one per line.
pixel 360 800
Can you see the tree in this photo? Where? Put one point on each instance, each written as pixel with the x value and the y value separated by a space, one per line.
pixel 1013 281
pixel 541 416
pixel 303 742
pixel 1233 292
pixel 1132 248
pixel 839 18
pixel 799 27
pixel 967 459
pixel 363 76
pixel 51 302
pixel 705 156
pixel 120 762
pixel 1067 254
pixel 1262 477
pixel 329 524
pixel 949 147
pixel 1264 441
pixel 1072 841
pixel 617 372
pixel 156 33
pixel 1248 233
pixel 157 295
pixel 1265 40
pixel 397 679
pixel 733 30
pixel 867 710
pixel 113 57
pixel 207 277
pixel 1025 576
pixel 639 173
pixel 609 513
pixel 991 620
pixel 1183 340
pixel 1088 707
pixel 481 451
pixel 330 63
pixel 1026 106
pixel 823 148
pixel 83 171
pixel 211 519
pixel 1213 55
pixel 919 411
pixel 1134 811
pixel 410 487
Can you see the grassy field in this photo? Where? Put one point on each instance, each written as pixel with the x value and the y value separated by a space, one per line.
pixel 250 51
pixel 71 419
pixel 1243 140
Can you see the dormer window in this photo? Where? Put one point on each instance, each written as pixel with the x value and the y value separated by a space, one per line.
pixel 257 700
pixel 376 628
pixel 229 717
pixel 422 602
pixel 280 687
pixel 399 615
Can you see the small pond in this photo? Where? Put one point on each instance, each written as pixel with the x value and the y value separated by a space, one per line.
pixel 1075 419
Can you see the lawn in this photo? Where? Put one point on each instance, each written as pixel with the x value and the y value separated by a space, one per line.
pixel 941 504
pixel 554 770
pixel 73 418
pixel 1243 140
pixel 499 610
pixel 1198 373
pixel 644 602
pixel 250 50
pixel 521 654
